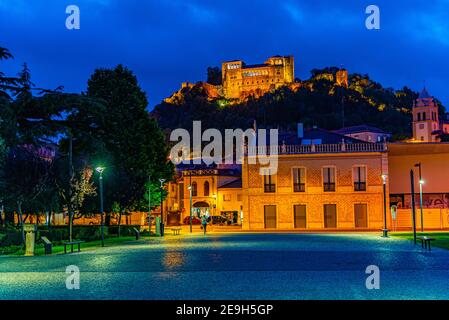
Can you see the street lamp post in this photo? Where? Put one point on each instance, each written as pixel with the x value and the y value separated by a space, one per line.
pixel 100 171
pixel 385 230
pixel 421 183
pixel 162 208
pixel 412 185
pixel 149 205
pixel 191 208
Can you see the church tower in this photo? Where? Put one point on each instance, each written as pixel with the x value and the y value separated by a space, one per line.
pixel 425 118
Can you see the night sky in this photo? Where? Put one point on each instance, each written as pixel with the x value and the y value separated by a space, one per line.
pixel 167 42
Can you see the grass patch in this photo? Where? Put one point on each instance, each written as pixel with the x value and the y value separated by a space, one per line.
pixel 85 246
pixel 442 238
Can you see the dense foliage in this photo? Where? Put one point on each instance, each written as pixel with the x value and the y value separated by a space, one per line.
pixel 51 142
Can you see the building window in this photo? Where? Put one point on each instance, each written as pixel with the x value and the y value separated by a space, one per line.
pixel 359 176
pixel 268 181
pixel 424 116
pixel 239 197
pixel 421 126
pixel 329 179
pixel 194 189
pixel 419 116
pixel 299 180
pixel 206 188
pixel 226 197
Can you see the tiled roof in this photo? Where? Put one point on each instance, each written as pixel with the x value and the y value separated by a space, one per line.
pixel 236 184
pixel 358 129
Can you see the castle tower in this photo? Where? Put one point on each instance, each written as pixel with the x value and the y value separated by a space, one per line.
pixel 425 118
pixel 341 78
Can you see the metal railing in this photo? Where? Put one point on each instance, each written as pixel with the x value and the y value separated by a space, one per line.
pixel 316 148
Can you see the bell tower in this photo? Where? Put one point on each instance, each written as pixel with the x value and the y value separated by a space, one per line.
pixel 425 118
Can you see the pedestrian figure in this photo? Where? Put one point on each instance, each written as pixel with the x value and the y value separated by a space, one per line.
pixel 204 223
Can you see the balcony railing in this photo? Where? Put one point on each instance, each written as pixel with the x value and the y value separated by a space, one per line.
pixel 317 148
pixel 359 186
pixel 329 187
pixel 299 187
pixel 269 188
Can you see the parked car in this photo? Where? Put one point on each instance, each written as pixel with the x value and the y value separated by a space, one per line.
pixel 195 220
pixel 220 220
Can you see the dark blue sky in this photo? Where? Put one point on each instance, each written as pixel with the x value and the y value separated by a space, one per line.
pixel 167 42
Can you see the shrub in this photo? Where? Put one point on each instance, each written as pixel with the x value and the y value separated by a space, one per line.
pixel 125 230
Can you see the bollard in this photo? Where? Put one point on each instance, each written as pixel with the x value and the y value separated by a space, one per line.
pixel 158 226
pixel 30 237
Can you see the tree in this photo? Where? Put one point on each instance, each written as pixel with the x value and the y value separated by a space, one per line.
pixel 132 144
pixel 27 178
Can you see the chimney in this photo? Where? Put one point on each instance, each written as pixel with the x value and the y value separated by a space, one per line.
pixel 300 130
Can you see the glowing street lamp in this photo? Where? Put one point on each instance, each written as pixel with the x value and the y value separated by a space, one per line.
pixel 100 170
pixel 384 182
pixel 421 183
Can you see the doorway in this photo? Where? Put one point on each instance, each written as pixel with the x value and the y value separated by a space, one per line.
pixel 270 217
pixel 300 216
pixel 361 215
pixel 330 216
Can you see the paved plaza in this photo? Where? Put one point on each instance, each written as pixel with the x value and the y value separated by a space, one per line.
pixel 235 266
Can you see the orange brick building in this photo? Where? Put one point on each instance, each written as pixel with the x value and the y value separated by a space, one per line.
pixel 322 187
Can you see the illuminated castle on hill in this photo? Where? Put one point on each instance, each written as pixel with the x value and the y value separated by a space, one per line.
pixel 240 81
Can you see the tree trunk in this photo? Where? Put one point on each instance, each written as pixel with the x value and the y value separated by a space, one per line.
pixel 70 226
pixel 19 207
pixel 119 222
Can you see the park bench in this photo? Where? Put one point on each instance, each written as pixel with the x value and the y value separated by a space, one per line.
pixel 176 231
pixel 47 245
pixel 425 242
pixel 71 244
pixel 136 233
